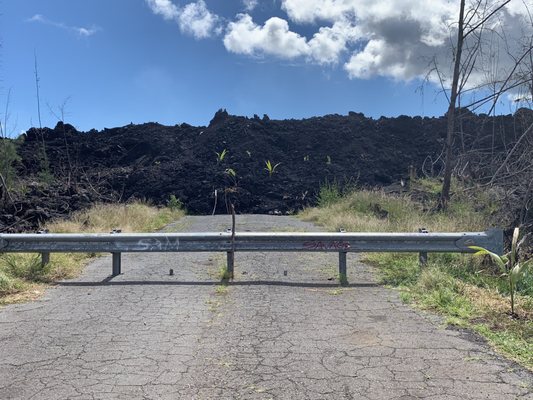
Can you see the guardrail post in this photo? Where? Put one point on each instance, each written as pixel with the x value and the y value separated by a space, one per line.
pixel 45 256
pixel 230 264
pixel 117 259
pixel 422 256
pixel 45 259
pixel 343 277
pixel 116 263
pixel 231 254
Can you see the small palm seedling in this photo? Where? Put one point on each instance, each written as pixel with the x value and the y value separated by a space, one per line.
pixel 306 158
pixel 230 172
pixel 271 168
pixel 509 264
pixel 232 178
pixel 221 155
pixel 249 153
pixel 328 160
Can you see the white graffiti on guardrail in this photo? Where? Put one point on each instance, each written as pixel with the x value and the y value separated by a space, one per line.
pixel 165 244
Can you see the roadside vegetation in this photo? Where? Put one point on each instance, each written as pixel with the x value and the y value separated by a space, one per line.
pixel 22 276
pixel 470 291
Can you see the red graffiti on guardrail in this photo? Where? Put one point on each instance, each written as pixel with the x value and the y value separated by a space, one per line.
pixel 332 245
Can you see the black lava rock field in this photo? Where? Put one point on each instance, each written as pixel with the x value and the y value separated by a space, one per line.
pixel 229 157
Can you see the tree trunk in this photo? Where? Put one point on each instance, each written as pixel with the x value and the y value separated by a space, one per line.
pixel 445 193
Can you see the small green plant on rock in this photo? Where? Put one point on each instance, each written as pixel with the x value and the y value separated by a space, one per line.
pixel 510 264
pixel 230 172
pixel 221 155
pixel 271 168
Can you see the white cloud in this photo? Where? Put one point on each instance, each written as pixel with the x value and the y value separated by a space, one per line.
pixel 399 39
pixel 250 5
pixel 520 8
pixel 197 20
pixel 308 11
pixel 36 18
pixel 273 38
pixel 165 8
pixel 194 19
pixel 360 27
pixel 396 39
pixel 520 98
pixel 81 31
pixel 328 44
pixel 394 60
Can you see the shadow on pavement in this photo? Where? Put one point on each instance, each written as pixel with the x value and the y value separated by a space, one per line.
pixel 109 282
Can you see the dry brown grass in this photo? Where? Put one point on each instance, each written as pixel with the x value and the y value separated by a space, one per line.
pixel 491 302
pixel 21 276
pixel 133 217
pixel 377 211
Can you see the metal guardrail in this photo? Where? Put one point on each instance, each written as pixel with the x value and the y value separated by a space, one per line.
pixel 342 243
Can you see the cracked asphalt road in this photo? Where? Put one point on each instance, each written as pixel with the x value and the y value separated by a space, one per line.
pixel 281 330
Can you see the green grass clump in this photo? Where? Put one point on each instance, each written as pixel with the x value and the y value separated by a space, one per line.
pixel 512 341
pixel 439 290
pixel 9 284
pixel 402 269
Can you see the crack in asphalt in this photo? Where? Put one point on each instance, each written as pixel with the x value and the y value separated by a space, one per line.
pixel 279 330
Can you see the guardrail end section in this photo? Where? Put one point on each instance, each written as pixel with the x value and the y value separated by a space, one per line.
pixel 492 240
pixel 495 237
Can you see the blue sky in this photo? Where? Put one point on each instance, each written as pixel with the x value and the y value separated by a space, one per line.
pixel 121 61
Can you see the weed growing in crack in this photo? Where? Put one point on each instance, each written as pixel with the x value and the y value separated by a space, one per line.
pixel 223 274
pixel 221 289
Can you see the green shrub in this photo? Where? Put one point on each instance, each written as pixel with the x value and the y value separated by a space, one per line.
pixel 8 158
pixel 329 194
pixel 174 203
